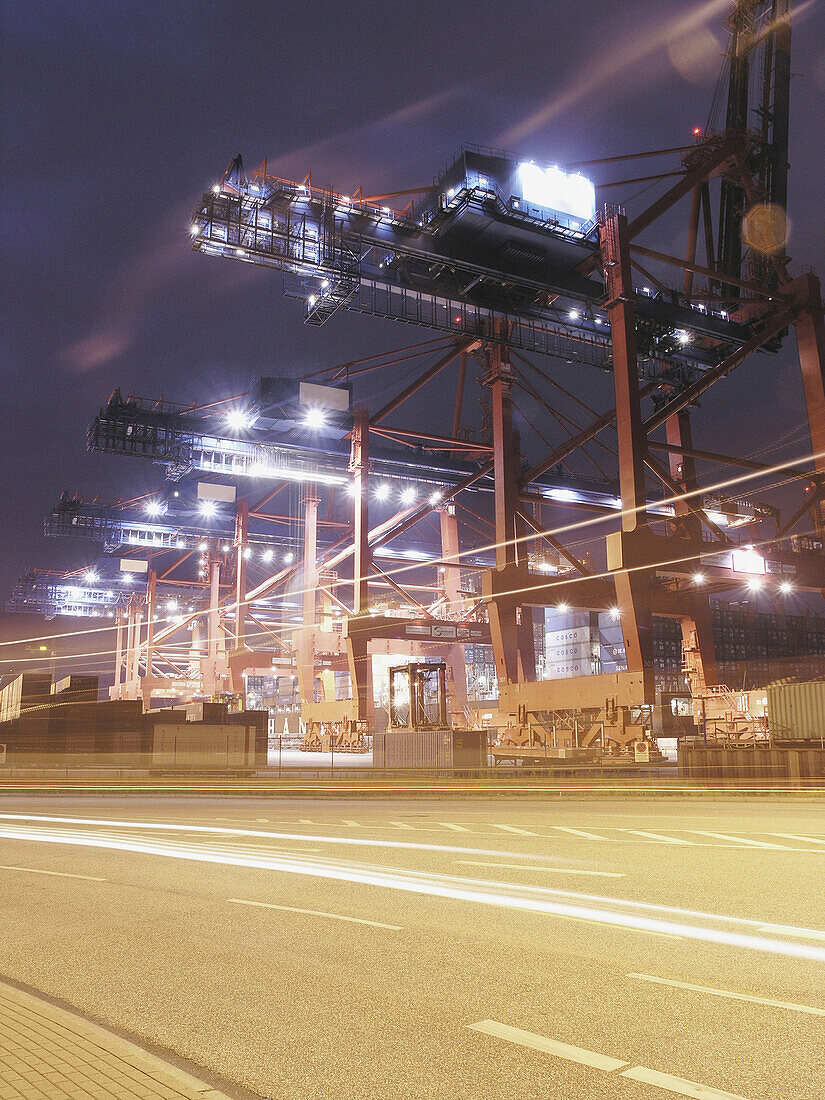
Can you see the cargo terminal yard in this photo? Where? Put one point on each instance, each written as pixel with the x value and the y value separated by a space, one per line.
pixel 447 544
pixel 418 690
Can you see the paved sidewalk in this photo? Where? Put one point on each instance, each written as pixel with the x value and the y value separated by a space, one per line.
pixel 47 1053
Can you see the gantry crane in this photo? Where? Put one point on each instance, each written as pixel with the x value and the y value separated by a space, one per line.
pixel 512 258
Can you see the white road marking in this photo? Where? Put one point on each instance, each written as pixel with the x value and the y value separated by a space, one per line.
pixel 512 829
pixel 455 828
pixel 730 995
pixel 658 836
pixel 59 874
pixel 680 1085
pixel 552 870
pixel 547 1046
pixel 581 832
pixel 401 825
pixel 797 836
pixel 354 824
pixel 781 930
pixel 316 913
pixel 622 927
pixel 742 840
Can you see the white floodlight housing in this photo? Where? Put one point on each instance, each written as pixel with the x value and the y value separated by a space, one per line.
pixel 382 492
pixel 208 508
pixel 408 495
pixel 568 193
pixel 315 418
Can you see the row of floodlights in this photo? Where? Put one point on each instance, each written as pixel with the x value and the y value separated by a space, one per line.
pixel 382 492
pixel 753 584
pixel 241 420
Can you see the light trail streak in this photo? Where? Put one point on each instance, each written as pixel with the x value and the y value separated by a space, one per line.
pixel 618 913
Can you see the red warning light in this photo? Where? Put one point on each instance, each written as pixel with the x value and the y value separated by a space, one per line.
pixel 697 131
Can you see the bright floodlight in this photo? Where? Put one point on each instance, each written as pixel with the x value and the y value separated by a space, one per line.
pixel 574 315
pixel 562 607
pixel 408 496
pixel 614 612
pixel 247 552
pixel 171 605
pixel 194 230
pixel 786 587
pixel 382 492
pixel 698 578
pixel 154 507
pixel 289 557
pixel 208 508
pixel 90 576
pixel 239 419
pixel 435 498
pixel 755 583
pixel 315 418
pixel 683 337
pixel 554 189
pixel 267 555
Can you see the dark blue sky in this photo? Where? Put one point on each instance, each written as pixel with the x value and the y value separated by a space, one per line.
pixel 116 116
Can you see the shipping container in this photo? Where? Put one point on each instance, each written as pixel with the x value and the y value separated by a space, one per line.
pixel 797 710
pixel 430 749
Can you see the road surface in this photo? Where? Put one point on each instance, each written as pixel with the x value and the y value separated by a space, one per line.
pixel 444 948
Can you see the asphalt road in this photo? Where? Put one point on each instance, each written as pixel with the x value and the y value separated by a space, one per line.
pixel 449 948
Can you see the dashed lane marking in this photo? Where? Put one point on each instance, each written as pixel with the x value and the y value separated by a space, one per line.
pixel 402 825
pixel 551 870
pixel 661 837
pixel 455 828
pixel 548 1046
pixel 316 913
pixel 741 840
pixel 798 836
pixel 679 1085
pixel 581 832
pixel 354 824
pixel 730 995
pixel 58 874
pixel 512 829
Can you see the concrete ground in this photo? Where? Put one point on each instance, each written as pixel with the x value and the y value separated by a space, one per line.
pixel 434 948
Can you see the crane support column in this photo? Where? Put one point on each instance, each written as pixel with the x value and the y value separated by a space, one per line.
pixel 455 657
pixel 810 339
pixel 147 683
pixel 210 676
pixel 241 541
pixel 512 648
pixel 627 549
pixel 359 468
pixel 115 690
pixel 309 580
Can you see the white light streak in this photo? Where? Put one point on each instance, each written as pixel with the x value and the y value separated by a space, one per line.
pixel 617 912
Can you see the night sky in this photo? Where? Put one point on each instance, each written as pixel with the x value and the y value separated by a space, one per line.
pixel 117 116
